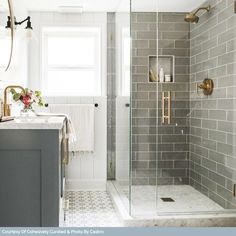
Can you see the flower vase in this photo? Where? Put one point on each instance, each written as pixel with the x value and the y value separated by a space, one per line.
pixel 27 112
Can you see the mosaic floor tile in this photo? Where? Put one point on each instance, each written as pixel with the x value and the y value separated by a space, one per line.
pixel 90 209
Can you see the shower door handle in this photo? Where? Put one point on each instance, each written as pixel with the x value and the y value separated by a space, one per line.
pixel 166 100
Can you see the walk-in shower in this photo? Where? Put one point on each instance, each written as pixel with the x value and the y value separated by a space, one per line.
pixel 180 138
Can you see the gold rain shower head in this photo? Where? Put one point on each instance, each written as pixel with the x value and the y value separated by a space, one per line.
pixel 192 16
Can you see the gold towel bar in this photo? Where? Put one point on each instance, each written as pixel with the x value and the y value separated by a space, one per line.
pixel 166 99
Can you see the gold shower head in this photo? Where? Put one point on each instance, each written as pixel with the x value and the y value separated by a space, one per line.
pixel 192 16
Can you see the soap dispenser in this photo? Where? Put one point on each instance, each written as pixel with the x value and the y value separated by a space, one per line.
pixel 162 75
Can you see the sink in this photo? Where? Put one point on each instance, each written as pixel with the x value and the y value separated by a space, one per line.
pixel 35 122
pixel 36 119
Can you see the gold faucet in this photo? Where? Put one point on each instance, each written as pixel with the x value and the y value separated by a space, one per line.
pixel 7 107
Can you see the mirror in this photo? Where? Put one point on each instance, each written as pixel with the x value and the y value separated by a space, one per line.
pixel 7 38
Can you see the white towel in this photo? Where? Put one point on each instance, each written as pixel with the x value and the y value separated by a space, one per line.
pixel 82 118
pixel 70 131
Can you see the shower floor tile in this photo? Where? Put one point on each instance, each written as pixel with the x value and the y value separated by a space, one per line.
pixel 147 200
pixel 90 209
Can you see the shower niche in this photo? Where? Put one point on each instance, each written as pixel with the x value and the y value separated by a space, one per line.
pixel 165 62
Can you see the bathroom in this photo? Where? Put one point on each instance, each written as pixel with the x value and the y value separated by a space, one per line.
pixel 148 87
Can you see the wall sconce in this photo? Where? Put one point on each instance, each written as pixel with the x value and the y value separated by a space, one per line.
pixel 29 28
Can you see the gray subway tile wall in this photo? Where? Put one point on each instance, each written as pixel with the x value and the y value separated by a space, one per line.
pixel 144 118
pixel 170 146
pixel 111 95
pixel 212 127
pixel 197 148
pixel 173 39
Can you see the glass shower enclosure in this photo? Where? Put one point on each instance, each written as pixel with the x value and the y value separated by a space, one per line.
pixel 180 126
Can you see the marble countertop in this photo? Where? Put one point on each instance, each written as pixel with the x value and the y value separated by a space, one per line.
pixel 50 123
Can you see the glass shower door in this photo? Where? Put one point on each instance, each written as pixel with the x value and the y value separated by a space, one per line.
pixel 196 115
pixel 120 64
pixel 183 136
pixel 143 177
pixel 173 123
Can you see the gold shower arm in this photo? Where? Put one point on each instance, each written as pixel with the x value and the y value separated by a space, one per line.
pixel 208 8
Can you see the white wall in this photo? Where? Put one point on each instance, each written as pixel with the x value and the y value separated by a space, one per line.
pixel 88 171
pixel 122 139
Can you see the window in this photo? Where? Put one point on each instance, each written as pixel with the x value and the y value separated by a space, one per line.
pixel 72 61
pixel 123 60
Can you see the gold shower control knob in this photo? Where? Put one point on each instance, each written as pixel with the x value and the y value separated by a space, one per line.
pixel 207 86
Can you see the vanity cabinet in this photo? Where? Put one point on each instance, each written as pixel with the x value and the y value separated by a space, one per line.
pixel 31 177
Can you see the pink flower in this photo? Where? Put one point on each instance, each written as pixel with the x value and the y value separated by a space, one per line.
pixel 26 100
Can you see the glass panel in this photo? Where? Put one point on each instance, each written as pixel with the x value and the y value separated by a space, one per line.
pixel 196 147
pixel 183 138
pixel 212 163
pixel 174 193
pixel 119 100
pixel 144 112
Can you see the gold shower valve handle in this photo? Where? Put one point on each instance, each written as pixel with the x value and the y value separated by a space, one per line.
pixel 207 86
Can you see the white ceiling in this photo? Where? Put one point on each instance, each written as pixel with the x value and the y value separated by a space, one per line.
pixel 115 5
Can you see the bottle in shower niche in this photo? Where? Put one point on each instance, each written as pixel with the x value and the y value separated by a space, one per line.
pixel 162 75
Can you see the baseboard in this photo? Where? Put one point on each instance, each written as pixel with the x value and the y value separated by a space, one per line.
pixel 80 185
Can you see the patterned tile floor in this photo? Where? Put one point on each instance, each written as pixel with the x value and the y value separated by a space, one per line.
pixel 90 209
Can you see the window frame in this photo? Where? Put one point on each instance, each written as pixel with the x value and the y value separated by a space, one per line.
pixel 77 31
pixel 123 31
pixel 125 68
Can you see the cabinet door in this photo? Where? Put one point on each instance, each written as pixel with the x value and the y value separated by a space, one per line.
pixel 29 178
pixel 20 186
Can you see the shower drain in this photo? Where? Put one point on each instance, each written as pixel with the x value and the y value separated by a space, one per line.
pixel 167 199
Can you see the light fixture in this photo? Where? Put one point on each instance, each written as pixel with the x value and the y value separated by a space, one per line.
pixel 28 28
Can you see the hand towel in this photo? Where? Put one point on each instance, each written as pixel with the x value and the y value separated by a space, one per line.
pixel 70 131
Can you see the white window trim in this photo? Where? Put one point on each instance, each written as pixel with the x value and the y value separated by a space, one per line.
pixel 124 68
pixel 98 68
pixel 121 27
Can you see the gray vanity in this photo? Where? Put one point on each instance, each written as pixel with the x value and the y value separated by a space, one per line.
pixel 32 172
